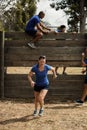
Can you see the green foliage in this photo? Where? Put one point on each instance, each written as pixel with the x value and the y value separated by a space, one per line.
pixel 72 9
pixel 17 16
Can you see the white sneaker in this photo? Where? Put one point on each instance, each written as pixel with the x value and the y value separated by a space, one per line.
pixel 35 113
pixel 41 112
pixel 31 45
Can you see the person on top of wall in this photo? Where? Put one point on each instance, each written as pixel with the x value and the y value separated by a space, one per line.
pixel 36 29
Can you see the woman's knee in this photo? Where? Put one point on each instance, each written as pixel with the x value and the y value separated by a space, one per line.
pixel 37 99
pixel 41 98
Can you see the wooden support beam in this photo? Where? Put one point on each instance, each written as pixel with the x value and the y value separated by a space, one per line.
pixel 2 64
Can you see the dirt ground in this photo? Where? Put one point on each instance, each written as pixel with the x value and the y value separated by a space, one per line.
pixel 17 115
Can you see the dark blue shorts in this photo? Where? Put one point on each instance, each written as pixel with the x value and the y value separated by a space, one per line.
pixel 85 81
pixel 31 32
pixel 39 88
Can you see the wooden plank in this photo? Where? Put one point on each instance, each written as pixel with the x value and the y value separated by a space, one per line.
pixel 51 98
pixel 47 43
pixel 64 87
pixel 59 85
pixel 62 98
pixel 2 64
pixel 67 36
pixel 56 92
pixel 68 56
pixel 19 93
pixel 60 77
pixel 21 63
pixel 20 35
pixel 16 76
pixel 44 50
pixel 62 81
pixel 62 43
pixel 53 63
pixel 26 92
pixel 17 84
pixel 17 35
pixel 23 79
pixel 55 57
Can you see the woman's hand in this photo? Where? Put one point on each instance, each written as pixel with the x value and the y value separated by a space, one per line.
pixel 54 73
pixel 32 83
pixel 54 76
pixel 83 71
pixel 84 64
pixel 83 54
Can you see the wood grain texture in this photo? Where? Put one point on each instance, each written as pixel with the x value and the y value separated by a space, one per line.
pixel 61 50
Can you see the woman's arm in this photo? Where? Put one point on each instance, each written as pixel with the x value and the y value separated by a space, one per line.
pixel 30 78
pixel 83 63
pixel 83 55
pixel 54 73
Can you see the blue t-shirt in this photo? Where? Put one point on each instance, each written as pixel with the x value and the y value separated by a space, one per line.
pixel 41 76
pixel 32 23
pixel 85 60
pixel 59 30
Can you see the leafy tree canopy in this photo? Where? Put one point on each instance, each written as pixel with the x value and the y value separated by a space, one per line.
pixel 72 8
pixel 15 17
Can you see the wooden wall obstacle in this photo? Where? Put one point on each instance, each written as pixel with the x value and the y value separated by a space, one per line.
pixel 61 50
